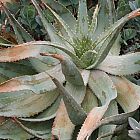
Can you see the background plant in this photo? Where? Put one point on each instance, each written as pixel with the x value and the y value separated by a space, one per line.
pixel 130 34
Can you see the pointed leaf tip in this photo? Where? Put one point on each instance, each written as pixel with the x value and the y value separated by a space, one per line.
pixel 57 56
pixel 134 13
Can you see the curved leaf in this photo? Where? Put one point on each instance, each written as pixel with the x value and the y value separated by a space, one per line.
pixel 133 134
pixel 33 49
pixel 13 69
pixel 75 112
pixel 69 69
pixel 25 105
pixel 38 83
pixel 64 12
pixel 72 75
pixel 11 130
pixel 106 40
pixel 47 114
pixel 90 101
pixel 106 129
pixel 127 93
pixel 121 65
pixel 39 129
pixel 48 26
pixel 62 126
pixel 106 15
pixel 103 87
pixel 71 72
pixel 133 123
pixel 93 25
pixel 63 23
pixel 21 34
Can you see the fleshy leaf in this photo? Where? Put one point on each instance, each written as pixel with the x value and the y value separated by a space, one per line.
pixel 90 100
pixel 82 19
pixel 106 16
pixel 38 129
pixel 62 22
pixel 64 12
pixel 121 65
pixel 72 75
pixel 25 105
pixel 11 130
pixel 13 69
pixel 93 25
pixel 20 32
pixel 4 41
pixel 71 72
pixel 127 98
pixel 33 49
pixel 134 135
pixel 62 126
pixel 76 113
pixel 47 114
pixel 106 129
pixel 48 26
pixel 38 83
pixel 127 93
pixel 89 57
pixel 133 123
pixel 69 69
pixel 103 87
pixel 106 40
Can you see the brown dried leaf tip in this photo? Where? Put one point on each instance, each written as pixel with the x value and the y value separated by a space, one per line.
pixel 57 56
pixel 134 14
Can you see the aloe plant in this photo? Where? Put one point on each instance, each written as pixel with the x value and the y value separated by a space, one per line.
pixel 135 133
pixel 80 76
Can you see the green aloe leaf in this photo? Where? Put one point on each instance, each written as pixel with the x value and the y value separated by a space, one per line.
pixel 128 98
pixel 89 57
pixel 82 23
pixel 94 22
pixel 106 16
pixel 106 129
pixel 41 129
pixel 134 135
pixel 133 123
pixel 4 41
pixel 62 126
pixel 104 89
pixel 69 69
pixel 76 114
pixel 90 101
pixel 48 26
pixel 20 32
pixel 25 103
pixel 11 130
pixel 118 130
pixel 121 65
pixel 15 69
pixel 47 114
pixel 72 75
pixel 65 14
pixel 71 72
pixel 106 40
pixel 62 22
pixel 37 83
pixel 33 49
